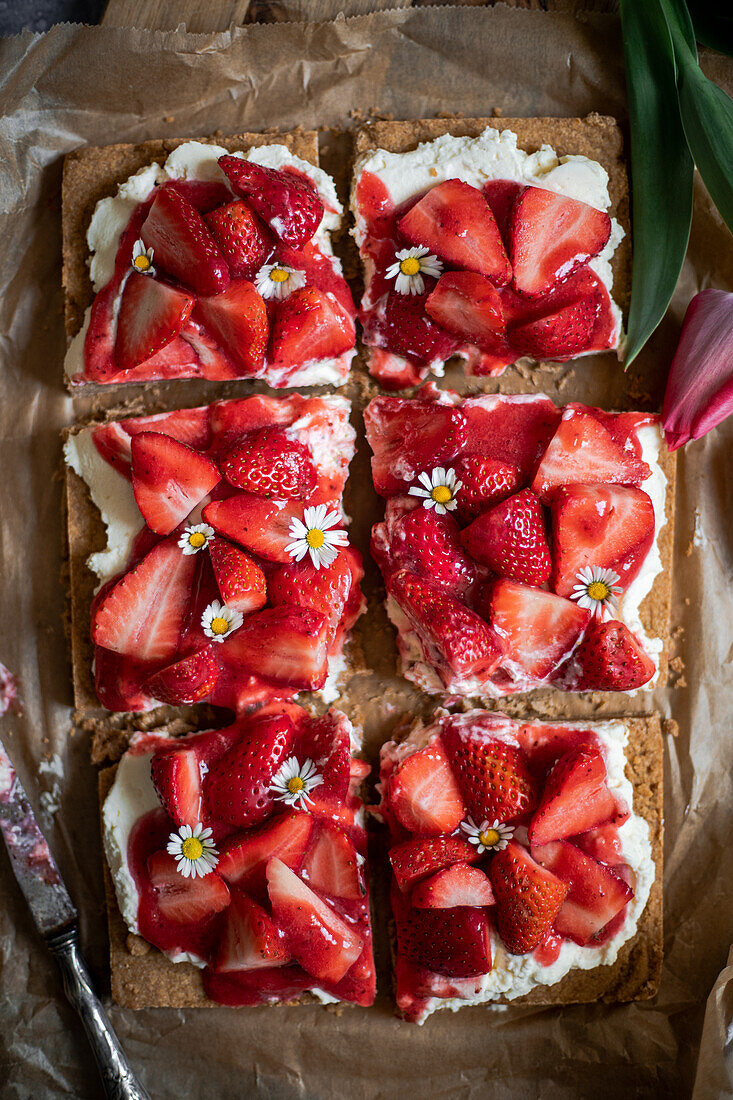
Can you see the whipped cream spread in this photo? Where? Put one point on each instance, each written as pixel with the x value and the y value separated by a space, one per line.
pixel 195 160
pixel 514 975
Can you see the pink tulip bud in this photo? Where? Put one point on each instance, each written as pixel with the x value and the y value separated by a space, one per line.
pixel 699 390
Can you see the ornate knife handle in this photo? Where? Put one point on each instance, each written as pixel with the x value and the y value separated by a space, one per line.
pixel 120 1083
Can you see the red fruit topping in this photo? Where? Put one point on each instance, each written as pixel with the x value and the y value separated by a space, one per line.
pixel 169 479
pixel 287 645
pixel 182 244
pixel 469 305
pixel 583 452
pixel 185 900
pixel 608 526
pixel 407 330
pixel 492 774
pixel 450 941
pixel 315 934
pixel 544 744
pixel 287 202
pixel 457 885
pixel 270 464
pixel 458 642
pixel 190 426
pixel 259 525
pixel 528 898
pixel 576 797
pixel 515 431
pixel 409 437
pixel 325 590
pixel 177 779
pixel 538 629
pixel 609 659
pixel 250 940
pixel 595 894
pixel 331 865
pixel 143 613
pixel 484 481
pixel 559 335
pixel 327 743
pixel 238 319
pixel 241 238
pixel 241 582
pixel 550 236
pixel 419 857
pixel 423 793
pixel 429 545
pixel 151 315
pixel 510 539
pixel 243 857
pixel 187 681
pixel 237 787
pixel 501 196
pixel 309 324
pixel 602 843
pixel 455 222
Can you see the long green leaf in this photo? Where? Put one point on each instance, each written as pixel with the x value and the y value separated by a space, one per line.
pixel 661 168
pixel 712 27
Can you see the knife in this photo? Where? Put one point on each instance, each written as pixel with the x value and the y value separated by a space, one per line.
pixel 58 922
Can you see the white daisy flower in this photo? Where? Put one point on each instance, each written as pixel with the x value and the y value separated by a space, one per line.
pixel 439 490
pixel 219 621
pixel 293 783
pixel 278 280
pixel 597 590
pixel 142 259
pixel 409 267
pixel 194 850
pixel 312 535
pixel 195 537
pixel 488 836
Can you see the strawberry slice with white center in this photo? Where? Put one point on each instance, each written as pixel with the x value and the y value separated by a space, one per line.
pixel 286 201
pixel 423 794
pixel 143 613
pixel 328 591
pixel 241 237
pixel 409 437
pixel 469 305
pixel 189 680
pixel 182 243
pixel 177 779
pixel 455 942
pixel 419 857
pixel 575 797
pixel 331 865
pixel 287 645
pixel 270 464
pixel 309 324
pixel 250 940
pixel 429 545
pixel 407 330
pixel 327 743
pixel 237 317
pixel 550 235
pixel 491 772
pixel 595 894
pixel 559 335
pixel 457 885
pixel 189 426
pixel 259 525
pixel 538 629
pixel 583 452
pixel 151 316
pixel 237 788
pixel 528 898
pixel 243 857
pixel 241 582
pixel 455 222
pixel 610 658
pixel 321 941
pixel 485 481
pixel 169 479
pixel 608 526
pixel 185 900
pixel 510 538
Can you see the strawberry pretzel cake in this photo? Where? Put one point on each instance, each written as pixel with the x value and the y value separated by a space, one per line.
pixel 522 542
pixel 227 575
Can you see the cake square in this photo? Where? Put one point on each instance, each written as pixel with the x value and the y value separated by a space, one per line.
pixel 524 546
pixel 526 860
pixel 490 240
pixel 204 261
pixel 280 914
pixel 190 554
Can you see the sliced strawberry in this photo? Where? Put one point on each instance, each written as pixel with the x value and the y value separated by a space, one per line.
pixel 457 641
pixel 309 324
pixel 515 430
pixel 287 645
pixel 270 464
pixel 259 525
pixel 602 843
pixel 407 330
pixel 241 237
pixel 583 452
pixel 456 885
pixel 409 437
pixel 538 629
pixel 423 794
pixel 189 426
pixel 455 942
pixel 608 526
pixel 241 582
pixel 485 481
pixel 177 779
pixel 528 898
pixel 237 317
pixel 501 196
pixel 551 235
pixel 185 900
pixel 169 479
pixel 419 857
pixel 151 315
pixel 595 894
pixel 429 545
pixel 331 865
pixel 455 222
pixel 325 590
pixel 510 538
pixel 244 856
pixel 288 203
pixel 469 305
pixel 143 613
pixel 189 680
pixel 182 244
pixel 558 335
pixel 326 741
pixel 610 658
pixel 492 773
pixel 315 934
pixel 544 743
pixel 575 798
pixel 237 787
pixel 250 940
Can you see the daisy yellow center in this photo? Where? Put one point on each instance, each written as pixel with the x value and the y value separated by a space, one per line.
pixel 192 848
pixel 441 494
pixel 489 837
pixel 219 625
pixel 598 590
pixel 295 784
pixel 142 263
pixel 197 539
pixel 315 538
pixel 278 275
pixel 410 266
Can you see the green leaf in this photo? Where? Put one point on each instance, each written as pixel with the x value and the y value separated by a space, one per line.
pixel 712 28
pixel 661 168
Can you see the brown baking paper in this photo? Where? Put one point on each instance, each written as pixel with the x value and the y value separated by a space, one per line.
pixel 79 85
